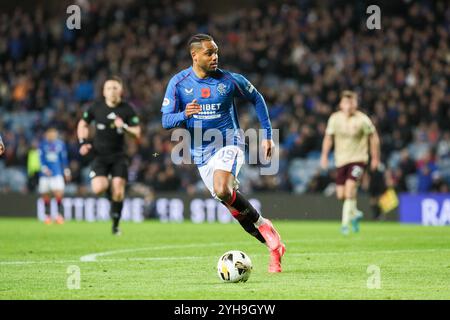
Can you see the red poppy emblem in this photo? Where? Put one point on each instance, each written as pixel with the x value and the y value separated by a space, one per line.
pixel 206 92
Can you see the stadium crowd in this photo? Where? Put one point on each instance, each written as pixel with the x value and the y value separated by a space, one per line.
pixel 300 55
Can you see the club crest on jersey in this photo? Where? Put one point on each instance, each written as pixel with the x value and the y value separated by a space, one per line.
pixel 222 89
pixel 206 92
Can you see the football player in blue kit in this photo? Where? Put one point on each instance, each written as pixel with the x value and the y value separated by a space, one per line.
pixel 54 168
pixel 201 98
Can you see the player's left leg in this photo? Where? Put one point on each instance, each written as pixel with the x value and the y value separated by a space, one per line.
pixel 57 186
pixel 340 195
pixel 59 194
pixel 350 203
pixel 245 222
pixel 119 174
pixel 223 188
pixel 47 199
pixel 341 177
pixel 44 191
pixel 117 195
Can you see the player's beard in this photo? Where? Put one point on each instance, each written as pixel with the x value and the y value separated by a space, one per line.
pixel 210 68
pixel 213 67
pixel 114 101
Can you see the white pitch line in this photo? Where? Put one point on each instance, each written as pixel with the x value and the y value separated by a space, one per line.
pixel 298 254
pixel 93 256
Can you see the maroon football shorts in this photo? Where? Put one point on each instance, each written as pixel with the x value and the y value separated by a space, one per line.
pixel 353 171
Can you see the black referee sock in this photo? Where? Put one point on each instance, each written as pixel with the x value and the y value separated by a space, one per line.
pixel 116 212
pixel 244 207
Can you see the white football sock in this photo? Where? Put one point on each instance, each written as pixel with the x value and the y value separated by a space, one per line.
pixel 346 212
pixel 260 221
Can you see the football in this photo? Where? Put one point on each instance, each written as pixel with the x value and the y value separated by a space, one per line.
pixel 234 266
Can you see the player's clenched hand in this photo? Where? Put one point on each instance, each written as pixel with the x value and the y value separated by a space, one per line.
pixel 85 148
pixel 46 171
pixel 118 122
pixel 374 163
pixel 2 149
pixel 192 108
pixel 268 147
pixel 324 162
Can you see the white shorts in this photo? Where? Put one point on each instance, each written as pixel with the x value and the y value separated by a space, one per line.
pixel 48 184
pixel 228 158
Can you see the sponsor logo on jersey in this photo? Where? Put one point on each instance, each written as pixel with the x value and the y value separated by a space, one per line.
pixel 222 89
pixel 166 102
pixel 206 92
pixel 210 107
pixel 207 117
pixel 209 111
pixel 189 91
pixel 111 116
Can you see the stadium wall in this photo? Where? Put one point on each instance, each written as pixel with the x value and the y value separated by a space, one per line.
pixel 176 207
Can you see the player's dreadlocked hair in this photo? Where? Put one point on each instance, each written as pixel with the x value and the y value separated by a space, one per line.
pixel 197 39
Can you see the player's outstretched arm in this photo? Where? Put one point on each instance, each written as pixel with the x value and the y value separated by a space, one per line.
pixel 245 89
pixel 327 142
pixel 263 116
pixel 326 147
pixel 374 141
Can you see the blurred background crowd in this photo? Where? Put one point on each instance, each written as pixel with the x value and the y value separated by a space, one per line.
pixel 299 54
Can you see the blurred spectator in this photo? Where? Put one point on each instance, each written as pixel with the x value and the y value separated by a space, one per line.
pixel 426 170
pixel 405 168
pixel 33 166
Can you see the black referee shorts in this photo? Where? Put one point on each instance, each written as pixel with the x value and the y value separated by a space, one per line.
pixel 114 165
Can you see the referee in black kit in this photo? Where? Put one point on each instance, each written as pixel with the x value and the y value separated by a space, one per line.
pixel 113 119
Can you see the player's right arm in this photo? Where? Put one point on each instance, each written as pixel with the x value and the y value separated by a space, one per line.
pixel 83 132
pixel 327 143
pixel 172 116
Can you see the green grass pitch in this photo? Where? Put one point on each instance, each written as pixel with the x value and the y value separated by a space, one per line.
pixel 154 260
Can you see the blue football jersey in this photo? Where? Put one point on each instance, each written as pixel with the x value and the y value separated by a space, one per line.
pixel 215 95
pixel 53 156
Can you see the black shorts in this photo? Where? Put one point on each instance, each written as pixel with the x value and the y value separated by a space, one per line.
pixel 114 165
